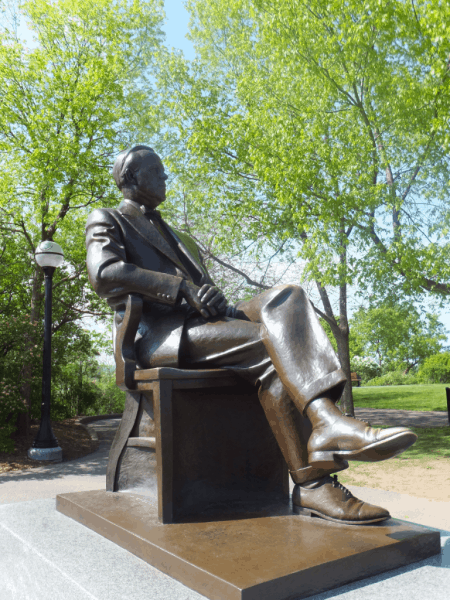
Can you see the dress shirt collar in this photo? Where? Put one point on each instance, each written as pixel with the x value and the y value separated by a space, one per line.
pixel 145 210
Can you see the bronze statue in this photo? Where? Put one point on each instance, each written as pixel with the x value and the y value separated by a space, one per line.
pixel 274 341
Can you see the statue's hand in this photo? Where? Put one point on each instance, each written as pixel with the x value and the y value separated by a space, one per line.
pixel 191 293
pixel 213 299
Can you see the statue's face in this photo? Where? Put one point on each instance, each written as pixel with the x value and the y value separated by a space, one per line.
pixel 150 178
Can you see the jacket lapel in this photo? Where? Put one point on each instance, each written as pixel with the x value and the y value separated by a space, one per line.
pixel 183 248
pixel 148 231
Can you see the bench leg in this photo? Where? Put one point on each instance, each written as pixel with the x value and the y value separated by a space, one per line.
pixel 162 405
pixel 120 440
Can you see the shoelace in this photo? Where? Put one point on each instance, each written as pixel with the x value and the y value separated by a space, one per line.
pixel 339 485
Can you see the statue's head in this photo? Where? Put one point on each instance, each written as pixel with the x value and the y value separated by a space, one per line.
pixel 139 175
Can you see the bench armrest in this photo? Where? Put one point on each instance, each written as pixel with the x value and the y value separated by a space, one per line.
pixel 124 353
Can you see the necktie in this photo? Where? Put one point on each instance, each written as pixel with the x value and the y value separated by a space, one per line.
pixel 151 213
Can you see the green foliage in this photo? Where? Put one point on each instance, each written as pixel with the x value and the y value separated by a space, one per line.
pixel 6 443
pixel 70 102
pixel 394 378
pixel 110 399
pixel 74 391
pixel 329 333
pixel 80 387
pixel 70 344
pixel 402 397
pixel 321 128
pixel 14 349
pixel 64 104
pixel 326 125
pixel 435 369
pixel 87 388
pixel 395 335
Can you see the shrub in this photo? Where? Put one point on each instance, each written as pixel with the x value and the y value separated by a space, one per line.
pixel 109 398
pixel 6 430
pixel 435 369
pixel 88 389
pixel 394 378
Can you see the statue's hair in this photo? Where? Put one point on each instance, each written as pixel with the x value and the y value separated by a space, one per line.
pixel 121 171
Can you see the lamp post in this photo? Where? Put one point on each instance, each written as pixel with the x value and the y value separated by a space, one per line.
pixel 49 256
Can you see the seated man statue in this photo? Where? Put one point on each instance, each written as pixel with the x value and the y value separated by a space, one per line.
pixel 274 340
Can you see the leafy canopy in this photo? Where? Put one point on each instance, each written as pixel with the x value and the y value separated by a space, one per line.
pixel 327 122
pixel 396 335
pixel 70 102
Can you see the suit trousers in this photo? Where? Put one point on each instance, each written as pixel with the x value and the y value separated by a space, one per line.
pixel 278 344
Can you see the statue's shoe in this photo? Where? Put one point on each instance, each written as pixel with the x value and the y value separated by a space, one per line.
pixel 328 499
pixel 346 438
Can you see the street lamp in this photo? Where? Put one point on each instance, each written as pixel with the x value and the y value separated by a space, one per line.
pixel 49 256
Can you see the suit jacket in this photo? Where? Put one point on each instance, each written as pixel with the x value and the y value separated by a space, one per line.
pixel 127 254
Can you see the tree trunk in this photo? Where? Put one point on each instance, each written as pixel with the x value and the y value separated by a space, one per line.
pixel 344 357
pixel 340 330
pixel 343 343
pixel 339 327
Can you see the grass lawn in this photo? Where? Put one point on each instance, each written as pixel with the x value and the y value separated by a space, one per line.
pixel 402 397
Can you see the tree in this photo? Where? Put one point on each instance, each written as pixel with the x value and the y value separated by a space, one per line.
pixel 69 104
pixel 326 121
pixel 396 335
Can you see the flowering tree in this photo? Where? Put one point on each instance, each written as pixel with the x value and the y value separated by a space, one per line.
pixel 366 367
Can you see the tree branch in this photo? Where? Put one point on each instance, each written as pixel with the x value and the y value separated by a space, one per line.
pixel 238 271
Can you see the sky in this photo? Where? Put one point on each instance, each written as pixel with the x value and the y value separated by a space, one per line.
pixel 176 27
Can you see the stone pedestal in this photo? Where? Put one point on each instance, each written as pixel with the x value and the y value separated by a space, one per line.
pixel 264 553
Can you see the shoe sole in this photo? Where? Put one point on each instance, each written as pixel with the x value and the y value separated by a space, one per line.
pixel 309 512
pixel 375 452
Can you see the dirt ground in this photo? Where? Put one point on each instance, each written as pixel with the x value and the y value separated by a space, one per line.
pixel 72 438
pixel 423 478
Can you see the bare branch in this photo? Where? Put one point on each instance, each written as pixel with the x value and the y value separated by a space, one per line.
pixel 238 271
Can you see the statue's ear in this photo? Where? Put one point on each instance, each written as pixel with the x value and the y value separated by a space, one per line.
pixel 128 177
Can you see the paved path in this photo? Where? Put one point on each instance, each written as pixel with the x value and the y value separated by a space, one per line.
pixel 85 473
pixel 406 418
